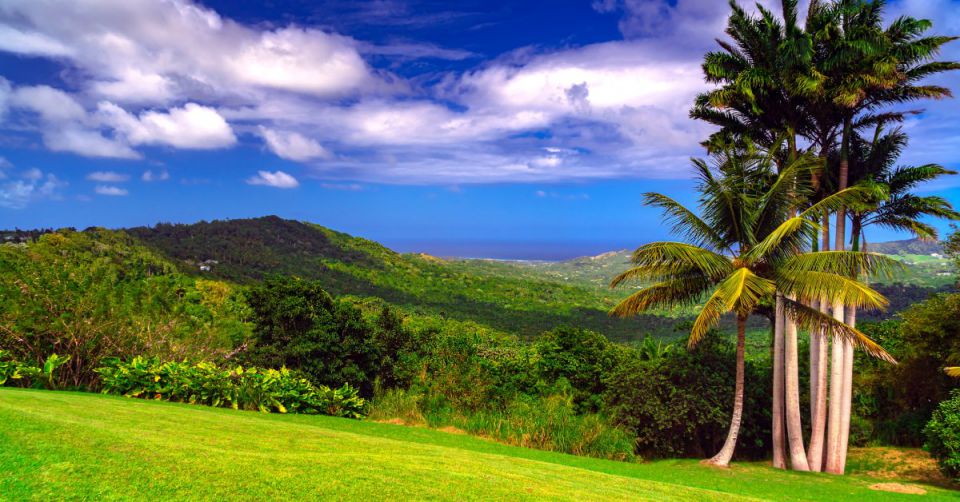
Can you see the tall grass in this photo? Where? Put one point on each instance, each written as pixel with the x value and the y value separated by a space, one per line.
pixel 543 423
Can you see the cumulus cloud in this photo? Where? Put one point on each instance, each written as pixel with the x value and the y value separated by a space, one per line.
pixel 276 179
pixel 150 175
pixel 181 45
pixel 89 143
pixel 31 186
pixel 292 145
pixel 108 177
pixel 191 127
pixel 178 74
pixel 110 190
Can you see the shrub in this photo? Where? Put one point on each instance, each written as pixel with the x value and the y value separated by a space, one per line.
pixel 13 372
pixel 943 435
pixel 265 390
pixel 397 405
pixel 300 326
pixel 581 357
pixel 680 404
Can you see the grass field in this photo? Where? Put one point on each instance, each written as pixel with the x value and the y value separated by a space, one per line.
pixel 86 446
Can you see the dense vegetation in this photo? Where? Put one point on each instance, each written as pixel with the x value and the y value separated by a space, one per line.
pixel 246 251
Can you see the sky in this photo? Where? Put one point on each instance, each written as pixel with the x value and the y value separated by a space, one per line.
pixel 470 128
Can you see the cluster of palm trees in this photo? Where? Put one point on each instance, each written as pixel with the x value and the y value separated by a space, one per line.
pixel 806 120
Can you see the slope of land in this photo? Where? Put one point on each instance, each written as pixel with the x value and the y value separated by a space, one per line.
pixel 249 250
pixel 86 446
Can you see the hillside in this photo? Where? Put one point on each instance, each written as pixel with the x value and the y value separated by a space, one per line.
pixel 248 250
pixel 86 446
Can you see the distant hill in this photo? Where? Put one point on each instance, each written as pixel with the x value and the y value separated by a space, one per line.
pixel 247 250
pixel 910 246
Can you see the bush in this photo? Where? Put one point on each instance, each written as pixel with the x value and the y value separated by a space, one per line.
pixel 679 405
pixel 581 357
pixel 943 435
pixel 265 390
pixel 13 372
pixel 544 423
pixel 300 326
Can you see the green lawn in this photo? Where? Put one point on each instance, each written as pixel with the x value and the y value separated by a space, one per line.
pixel 75 445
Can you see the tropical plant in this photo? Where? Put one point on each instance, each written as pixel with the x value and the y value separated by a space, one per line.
pixel 264 390
pixel 744 256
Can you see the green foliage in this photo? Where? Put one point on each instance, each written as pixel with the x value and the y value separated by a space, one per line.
pixel 579 356
pixel 89 295
pixel 899 400
pixel 13 372
pixel 250 250
pixel 679 404
pixel 299 326
pixel 943 436
pixel 545 423
pixel 265 390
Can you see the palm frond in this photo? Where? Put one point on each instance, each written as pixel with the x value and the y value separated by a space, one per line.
pixel 845 263
pixel 667 294
pixel 659 260
pixel 824 286
pixel 684 222
pixel 813 319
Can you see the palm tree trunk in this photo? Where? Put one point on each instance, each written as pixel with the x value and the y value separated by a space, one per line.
pixel 851 319
pixel 818 376
pixel 837 368
pixel 798 458
pixel 723 457
pixel 779 459
pixel 818 394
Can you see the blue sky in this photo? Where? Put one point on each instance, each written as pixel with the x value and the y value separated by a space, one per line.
pixel 504 129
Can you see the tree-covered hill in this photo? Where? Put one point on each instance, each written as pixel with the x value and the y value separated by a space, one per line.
pixel 247 250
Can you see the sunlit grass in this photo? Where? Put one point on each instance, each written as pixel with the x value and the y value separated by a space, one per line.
pixel 72 445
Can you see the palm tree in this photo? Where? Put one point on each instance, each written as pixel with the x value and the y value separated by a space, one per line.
pixel 744 251
pixel 865 67
pixel 755 101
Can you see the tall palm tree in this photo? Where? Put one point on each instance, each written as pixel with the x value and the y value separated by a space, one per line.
pixel 865 67
pixel 744 251
pixel 755 100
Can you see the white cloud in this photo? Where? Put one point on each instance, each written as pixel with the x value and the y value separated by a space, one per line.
pixel 30 43
pixel 277 179
pixel 53 105
pixel 292 145
pixel 89 143
pixel 183 46
pixel 192 126
pixel 32 174
pixel 150 176
pixel 34 186
pixel 348 187
pixel 108 177
pixel 110 190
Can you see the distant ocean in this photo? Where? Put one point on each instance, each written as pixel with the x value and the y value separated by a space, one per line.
pixel 507 250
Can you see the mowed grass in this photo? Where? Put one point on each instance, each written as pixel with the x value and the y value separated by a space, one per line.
pixel 75 445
